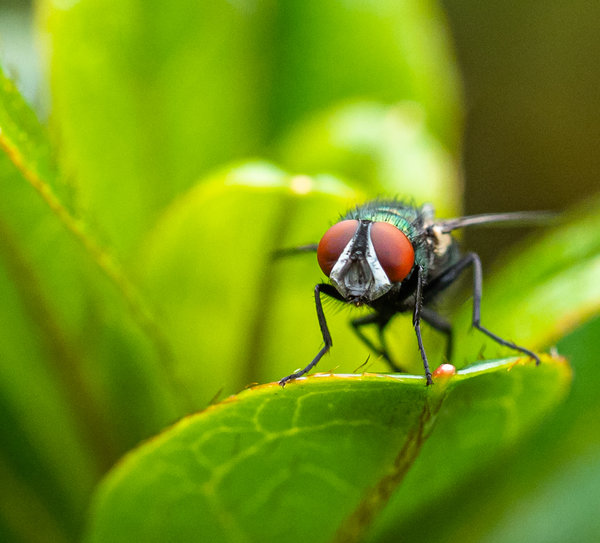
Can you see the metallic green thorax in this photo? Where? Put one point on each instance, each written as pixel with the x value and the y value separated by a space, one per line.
pixel 410 219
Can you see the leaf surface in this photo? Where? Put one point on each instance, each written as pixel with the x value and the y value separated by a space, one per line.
pixel 314 460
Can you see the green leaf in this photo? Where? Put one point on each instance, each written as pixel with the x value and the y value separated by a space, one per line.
pixel 558 270
pixel 268 449
pixel 146 97
pixel 69 338
pixel 25 141
pixel 38 373
pixel 562 458
pixel 208 266
pixel 522 489
pixel 485 414
pixel 545 291
pixel 39 455
pixel 271 459
pixel 326 52
pixel 381 149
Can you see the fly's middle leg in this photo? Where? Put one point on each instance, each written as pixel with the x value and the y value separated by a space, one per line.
pixel 382 349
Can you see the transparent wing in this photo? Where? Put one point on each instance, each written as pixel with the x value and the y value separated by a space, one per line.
pixel 516 218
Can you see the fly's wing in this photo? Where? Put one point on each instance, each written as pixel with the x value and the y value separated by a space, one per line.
pixel 291 251
pixel 517 218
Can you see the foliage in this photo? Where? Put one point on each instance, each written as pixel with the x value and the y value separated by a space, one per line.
pixel 138 286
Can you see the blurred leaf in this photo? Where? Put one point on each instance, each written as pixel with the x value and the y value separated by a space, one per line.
pixel 54 466
pixel 386 149
pixel 24 140
pixel 209 267
pixel 147 96
pixel 73 358
pixel 558 272
pixel 23 517
pixel 35 367
pixel 56 249
pixel 328 51
pixel 56 261
pixel 276 454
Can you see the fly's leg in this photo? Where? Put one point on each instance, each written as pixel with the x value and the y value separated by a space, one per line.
pixel 382 351
pixel 330 291
pixel 417 322
pixel 292 251
pixel 441 325
pixel 450 275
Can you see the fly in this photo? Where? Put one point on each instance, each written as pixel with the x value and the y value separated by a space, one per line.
pixel 397 258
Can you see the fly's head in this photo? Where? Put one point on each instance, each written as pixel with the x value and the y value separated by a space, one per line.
pixel 364 259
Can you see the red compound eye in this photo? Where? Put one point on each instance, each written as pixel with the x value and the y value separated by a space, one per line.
pixel 332 244
pixel 394 250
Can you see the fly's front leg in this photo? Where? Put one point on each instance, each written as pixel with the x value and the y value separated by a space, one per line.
pixel 330 291
pixel 417 322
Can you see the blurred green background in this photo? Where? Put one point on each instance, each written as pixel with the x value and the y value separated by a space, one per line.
pixel 142 288
pixel 530 79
